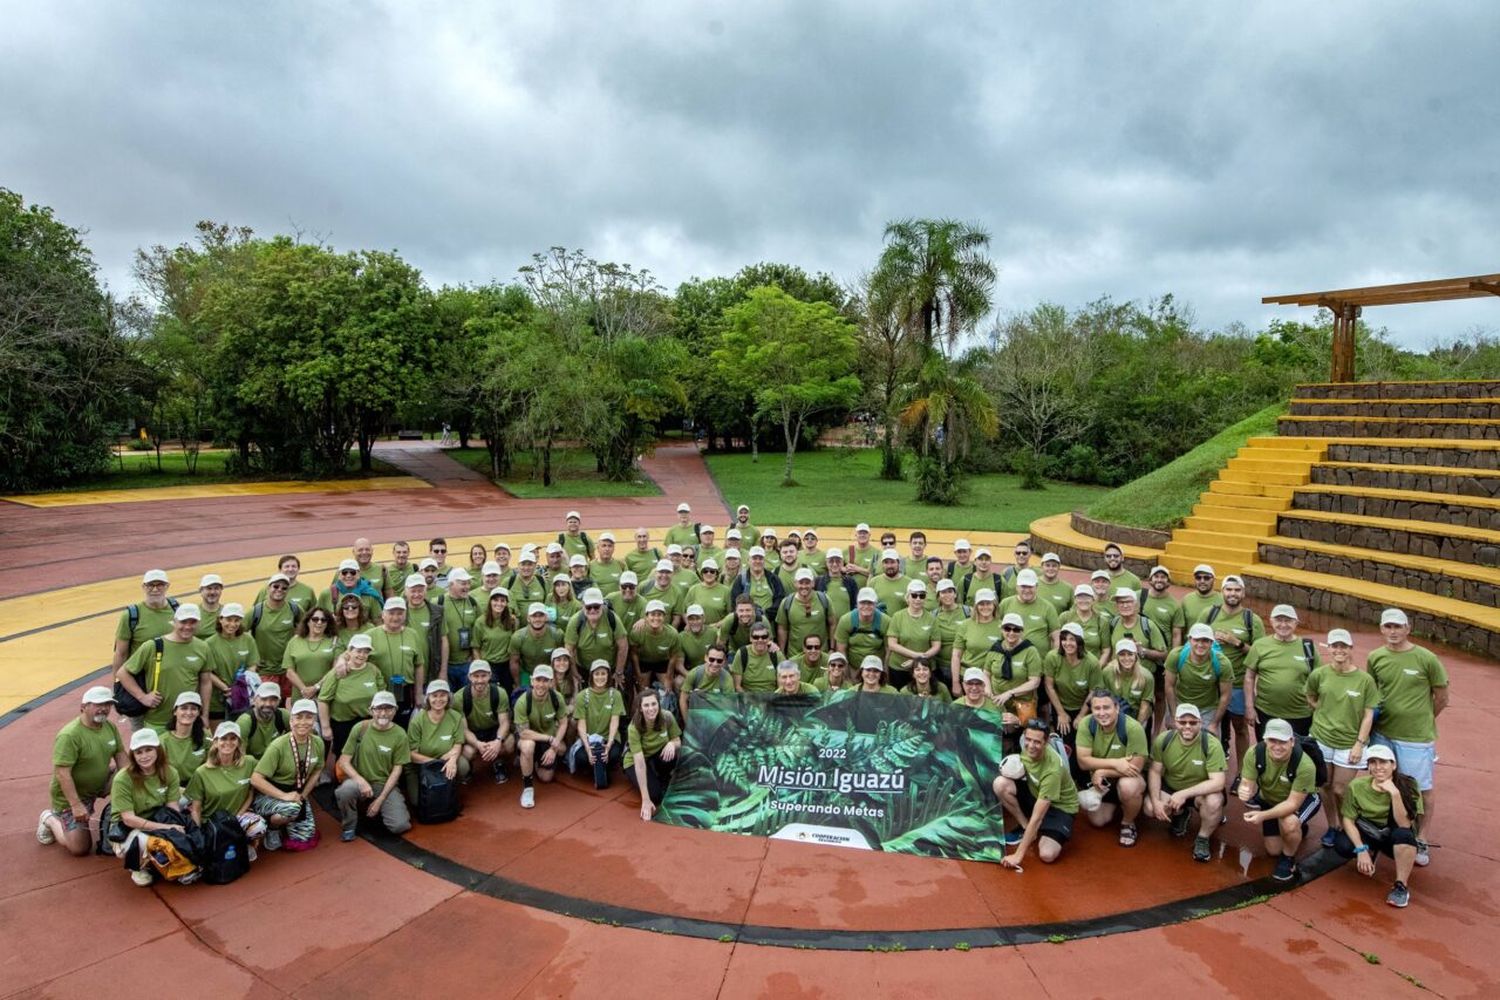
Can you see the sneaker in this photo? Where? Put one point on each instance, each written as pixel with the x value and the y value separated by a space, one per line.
pixel 1013 837
pixel 1180 822
pixel 500 776
pixel 1127 834
pixel 1286 869
pixel 1201 850
pixel 44 834
pixel 254 857
pixel 1423 860
pixel 1329 838
pixel 1399 896
pixel 346 836
pixel 528 798
pixel 272 840
pixel 142 879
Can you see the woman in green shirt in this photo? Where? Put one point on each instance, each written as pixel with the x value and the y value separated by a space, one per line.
pixel 924 685
pixel 596 713
pixel 710 593
pixel 653 739
pixel 1381 814
pixel 492 632
pixel 352 619
pixel 436 734
pixel 1071 672
pixel 309 654
pixel 347 691
pixel 837 677
pixel 562 601
pixel 147 783
pixel 951 617
pixel 1131 684
pixel 230 651
pixel 1343 699
pixel 976 637
pixel 1096 627
pixel 222 784
pixel 185 744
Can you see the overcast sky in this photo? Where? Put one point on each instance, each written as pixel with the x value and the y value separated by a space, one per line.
pixel 1218 152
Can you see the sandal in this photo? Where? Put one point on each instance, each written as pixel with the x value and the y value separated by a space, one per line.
pixel 1127 834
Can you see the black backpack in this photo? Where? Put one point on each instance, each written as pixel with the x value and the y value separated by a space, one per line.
pixel 128 704
pixel 133 615
pixel 1300 746
pixel 1119 726
pixel 466 700
pixel 1164 738
pixel 437 795
pixel 221 848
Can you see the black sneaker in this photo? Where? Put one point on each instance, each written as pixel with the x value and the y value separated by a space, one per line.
pixel 1286 869
pixel 1399 895
pixel 1180 822
pixel 500 776
pixel 1201 849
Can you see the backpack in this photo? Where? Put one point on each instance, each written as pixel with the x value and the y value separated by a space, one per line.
pixel 1120 720
pixel 437 795
pixel 128 704
pixel 166 853
pixel 221 847
pixel 133 615
pixel 278 723
pixel 786 604
pixel 588 544
pixel 1302 745
pixel 998 646
pixel 237 701
pixel 1213 657
pixel 855 628
pixel 259 610
pixel 466 699
pixel 1164 738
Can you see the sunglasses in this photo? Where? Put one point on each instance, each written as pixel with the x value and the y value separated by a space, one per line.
pixel 439 552
pixel 715 659
pixel 1011 628
pixel 812 645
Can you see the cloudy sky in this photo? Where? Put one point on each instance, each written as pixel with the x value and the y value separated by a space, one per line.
pixel 1217 152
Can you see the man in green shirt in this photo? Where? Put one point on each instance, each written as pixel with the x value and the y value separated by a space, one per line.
pixel 1195 674
pixel 485 707
pixel 1236 629
pixel 803 613
pixel 398 569
pixel 683 532
pixel 1147 635
pixel 210 595
pixel 1119 576
pixel 605 570
pixel 708 677
pixel 1195 603
pixel 790 562
pixel 290 566
pixel 1158 604
pixel 863 631
pixel 457 645
pixel 145 620
pixel 265 721
pixel 706 547
pixel 541 729
pixel 1413 692
pixel 861 558
pixel 889 585
pixel 642 559
pixel 983 577
pixel 837 585
pixel 741 523
pixel 574 540
pixel 597 633
pixel 1279 784
pixel 1188 771
pixel 962 564
pixel 1038 617
pixel 754 666
pixel 789 680
pixel 655 653
pixel 376 753
pixel 274 620
pixel 627 603
pixel 157 676
pixel 812 557
pixel 1276 672
pixel 1112 751
pixel 529 585
pixel 1036 790
pixel 1052 588
pixel 85 755
pixel 763 586
pixel 532 644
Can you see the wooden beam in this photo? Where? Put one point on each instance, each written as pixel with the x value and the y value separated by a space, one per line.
pixel 1347 294
pixel 1491 287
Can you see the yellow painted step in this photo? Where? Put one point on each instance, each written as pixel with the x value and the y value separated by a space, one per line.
pixel 1379 442
pixel 1181 566
pixel 1380 594
pixel 1329 418
pixel 1302 456
pixel 1398 524
pixel 1287 443
pixel 1214 539
pixel 1211 554
pixel 1263 477
pixel 1446 567
pixel 1421 470
pixel 1431 400
pixel 1242 502
pixel 1252 489
pixel 1297 470
pixel 1413 496
pixel 1057 530
pixel 1227 522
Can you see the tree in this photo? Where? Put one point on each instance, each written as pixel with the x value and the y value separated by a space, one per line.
pixel 64 361
pixel 793 357
pixel 886 363
pixel 949 409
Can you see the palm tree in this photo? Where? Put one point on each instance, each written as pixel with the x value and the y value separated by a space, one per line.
pixel 948 410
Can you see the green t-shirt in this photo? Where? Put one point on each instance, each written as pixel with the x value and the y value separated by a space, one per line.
pixel 1406 680
pixel 1072 680
pixel 1234 624
pixel 756 673
pixel 181 663
pixel 256 736
pixel 1197 683
pixel 1135 688
pixel 815 560
pixel 397 654
pixel 1145 632
pixel 822 685
pixel 1343 700
pixel 1163 610
pixel 279 764
pixel 275 628
pixel 222 788
pixel 643 564
pixel 599 641
pixel 606 575
pixel 654 650
pixel 493 642
pixel 1104 742
pixel 938 691
pixel 87 754
pixel 868 557
pixel 1124 578
pixel 915 634
pixel 433 739
pixel 1024 665
pixel 699 679
pixel 1049 779
pixel 713 599
pixel 534 648
pixel 1058 593
pixel 182 753
pixel 680 534
pixel 459 615
pixel 227 657
pixel 208 624
pixel 143 797
pixel 1362 800
pixel 1096 630
pixel 861 639
pixel 480 717
pixel 152 622
pixel 890 592
pixel 376 753
pixel 596 708
pixel 759 589
pixel 540 714
pixel 1038 617
pixel 1184 765
pixel 1195 605
pixel 301 593
pixel 650 742
pixel 787 574
pixel 802 620
pixel 947 623
pixel 974 640
pixel 694 645
pixel 576 545
pixel 838 598
pixel 311 660
pixel 1281 677
pixel 1277 784
pixel 629 612
pixel 523 592
pixel 349 697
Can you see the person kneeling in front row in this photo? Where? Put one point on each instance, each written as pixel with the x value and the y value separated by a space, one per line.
pixel 1040 795
pixel 1380 813
pixel 1187 772
pixel 1278 781
pixel 1112 751
pixel 653 738
pixel 376 753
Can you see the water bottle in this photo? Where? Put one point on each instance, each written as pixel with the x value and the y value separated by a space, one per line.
pixel 229 853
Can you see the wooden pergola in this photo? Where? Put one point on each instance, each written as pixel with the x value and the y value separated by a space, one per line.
pixel 1347 304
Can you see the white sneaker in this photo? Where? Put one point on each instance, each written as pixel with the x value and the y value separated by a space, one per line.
pixel 1423 857
pixel 252 855
pixel 44 834
pixel 528 798
pixel 142 879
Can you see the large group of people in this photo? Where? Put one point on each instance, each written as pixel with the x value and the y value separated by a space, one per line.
pixel 1118 699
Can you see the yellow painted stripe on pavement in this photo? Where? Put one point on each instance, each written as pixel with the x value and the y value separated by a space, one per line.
pixel 82 498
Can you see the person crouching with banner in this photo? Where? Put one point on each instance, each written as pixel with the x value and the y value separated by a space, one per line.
pixel 1035 788
pixel 654 739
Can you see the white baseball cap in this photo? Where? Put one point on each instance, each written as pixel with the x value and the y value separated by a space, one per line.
pixel 1231 578
pixel 268 689
pixel 500 592
pixel 1100 574
pixel 304 706
pixel 756 550
pixel 536 608
pixel 394 604
pixel 674 549
pixel 1203 568
pixel 1012 767
pixel 1124 594
pixel 154 576
pixel 835 553
pixel 804 574
pixel 553 548
pixel 186 613
pixel 278 578
pixel 872 663
pixel 502 545
pixel 1051 557
pixel 1378 751
pixel 226 728
pixel 961 545
pixel 144 737
pixel 1340 636
pixel 478 667
pixel 232 611
pixel 607 536
pixel 706 529
pixel 1013 619
pixel 360 640
pixel 743 507
pixel 867 594
pixel 1280 729
pixel 973 674
pixel 731 553
pixel 458 575
pixel 383 699
pixel 1162 570
pixel 428 562
pixel 890 554
pixel 1083 590
pixel 836 655
pixel 712 564
pixel 655 606
pixel 733 534
pixel 1201 630
pixel 600 665
pixel 577 559
pixel 1393 616
pixel 490 568
pixel 98 696
pixel 1284 611
pixel 541 672
pixel 210 580
pixel 1126 646
pixel 693 611
pixel 1026 578
pixel 570 515
pixel 192 698
pixel 439 684
pixel 528 555
pixel 665 566
pixel 348 564
pixel 1186 711
pixel 985 594
pixel 683 508
pixel 983 553
pixel 1072 628
pixel 946 584
pixel 917 587
pixel 593 595
pixel 629 579
pixel 861 526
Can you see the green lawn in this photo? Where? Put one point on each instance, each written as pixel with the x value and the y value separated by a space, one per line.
pixel 840 487
pixel 136 470
pixel 573 475
pixel 1161 499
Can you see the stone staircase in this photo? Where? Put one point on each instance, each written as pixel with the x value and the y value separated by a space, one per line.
pixel 1400 506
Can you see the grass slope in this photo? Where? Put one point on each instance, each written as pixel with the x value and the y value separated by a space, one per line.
pixel 1161 499
pixel 573 475
pixel 136 470
pixel 840 486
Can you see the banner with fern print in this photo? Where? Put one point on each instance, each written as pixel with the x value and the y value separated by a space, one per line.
pixel 874 771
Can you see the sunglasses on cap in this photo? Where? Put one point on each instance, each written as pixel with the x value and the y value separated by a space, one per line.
pixel 1036 725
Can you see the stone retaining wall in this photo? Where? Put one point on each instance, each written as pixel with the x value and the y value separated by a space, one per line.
pixel 1372 569
pixel 1355 427
pixel 1456 482
pixel 1400 390
pixel 1457 458
pixel 1468 409
pixel 1120 534
pixel 1414 539
pixel 1089 559
pixel 1453 511
pixel 1358 609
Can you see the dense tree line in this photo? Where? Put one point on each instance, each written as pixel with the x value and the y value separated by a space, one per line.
pixel 292 354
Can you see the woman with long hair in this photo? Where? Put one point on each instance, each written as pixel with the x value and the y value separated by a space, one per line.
pixel 974 640
pixel 309 654
pixel 222 784
pixel 1070 673
pixel 562 599
pixel 436 734
pixel 949 618
pixel 492 632
pixel 185 744
pixel 351 619
pixel 1381 813
pixel 653 739
pixel 1096 625
pixel 478 556
pixel 146 783
pixel 924 684
pixel 1130 682
pixel 231 650
pixel 347 692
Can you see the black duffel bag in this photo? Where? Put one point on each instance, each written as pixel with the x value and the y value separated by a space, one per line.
pixel 221 848
pixel 437 795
